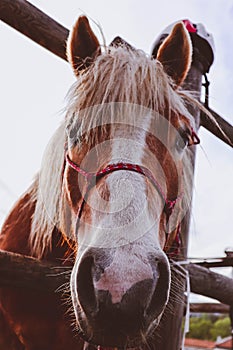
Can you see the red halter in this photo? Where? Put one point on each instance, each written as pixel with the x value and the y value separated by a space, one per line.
pixel 169 204
pixel 91 178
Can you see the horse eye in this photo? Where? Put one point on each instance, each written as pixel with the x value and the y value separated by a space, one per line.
pixel 182 141
pixel 72 130
pixel 72 133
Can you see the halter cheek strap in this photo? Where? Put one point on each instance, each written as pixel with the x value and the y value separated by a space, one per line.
pixel 92 177
pixel 195 139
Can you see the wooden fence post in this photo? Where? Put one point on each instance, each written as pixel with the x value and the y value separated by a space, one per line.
pixel 169 336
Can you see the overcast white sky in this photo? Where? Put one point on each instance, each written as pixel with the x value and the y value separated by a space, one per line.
pixel 34 82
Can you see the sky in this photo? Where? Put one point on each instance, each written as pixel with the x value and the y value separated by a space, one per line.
pixel 34 84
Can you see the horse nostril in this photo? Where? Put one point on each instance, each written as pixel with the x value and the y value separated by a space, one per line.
pixel 161 292
pixel 85 286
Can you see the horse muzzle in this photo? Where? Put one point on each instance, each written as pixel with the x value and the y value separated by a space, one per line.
pixel 113 308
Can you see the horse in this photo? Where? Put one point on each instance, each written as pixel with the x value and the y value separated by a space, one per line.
pixel 108 200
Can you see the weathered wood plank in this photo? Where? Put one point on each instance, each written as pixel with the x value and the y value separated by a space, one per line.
pixel 222 127
pixel 35 24
pixel 209 308
pixel 221 262
pixel 211 284
pixel 21 271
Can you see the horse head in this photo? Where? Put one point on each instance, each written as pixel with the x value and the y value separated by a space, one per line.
pixel 127 133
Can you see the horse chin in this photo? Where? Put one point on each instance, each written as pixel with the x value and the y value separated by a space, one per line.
pixel 113 337
pixel 111 340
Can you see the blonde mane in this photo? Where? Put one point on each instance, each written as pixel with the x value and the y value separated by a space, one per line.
pixel 117 75
pixel 124 76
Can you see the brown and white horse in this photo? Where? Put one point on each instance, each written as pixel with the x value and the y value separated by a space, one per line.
pixel 112 189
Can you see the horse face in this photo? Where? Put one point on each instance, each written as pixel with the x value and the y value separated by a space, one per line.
pixel 120 282
pixel 121 279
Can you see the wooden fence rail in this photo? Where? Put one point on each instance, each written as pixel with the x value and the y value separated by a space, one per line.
pixel 35 24
pixel 210 308
pixel 220 130
pixel 217 262
pixel 210 284
pixel 21 271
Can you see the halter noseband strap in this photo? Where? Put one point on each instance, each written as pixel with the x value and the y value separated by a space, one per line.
pixel 89 176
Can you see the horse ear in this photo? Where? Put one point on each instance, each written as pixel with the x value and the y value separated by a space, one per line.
pixel 82 45
pixel 175 53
